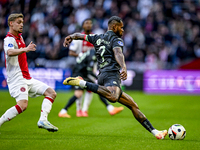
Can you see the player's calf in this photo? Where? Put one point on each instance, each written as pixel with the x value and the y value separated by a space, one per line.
pixel 51 93
pixel 10 114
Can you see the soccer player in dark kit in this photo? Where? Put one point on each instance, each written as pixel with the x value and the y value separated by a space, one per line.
pixel 112 69
pixel 76 49
pixel 84 67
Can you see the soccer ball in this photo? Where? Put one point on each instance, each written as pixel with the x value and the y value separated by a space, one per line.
pixel 177 132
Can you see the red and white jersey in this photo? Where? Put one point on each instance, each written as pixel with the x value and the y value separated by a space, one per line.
pixel 79 46
pixel 16 66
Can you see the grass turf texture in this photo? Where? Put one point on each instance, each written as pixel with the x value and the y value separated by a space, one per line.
pixel 100 130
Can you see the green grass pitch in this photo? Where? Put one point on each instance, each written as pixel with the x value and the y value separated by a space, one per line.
pixel 100 131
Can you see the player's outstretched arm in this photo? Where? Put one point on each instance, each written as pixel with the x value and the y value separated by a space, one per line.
pixel 70 38
pixel 119 56
pixel 15 52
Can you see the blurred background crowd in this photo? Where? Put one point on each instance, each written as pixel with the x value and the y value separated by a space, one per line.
pixel 159 34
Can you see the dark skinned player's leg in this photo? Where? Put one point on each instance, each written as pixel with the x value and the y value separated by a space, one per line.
pixel 128 101
pixel 113 94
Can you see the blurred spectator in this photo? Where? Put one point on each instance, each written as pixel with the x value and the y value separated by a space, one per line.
pixel 82 13
pixel 158 34
pixel 144 7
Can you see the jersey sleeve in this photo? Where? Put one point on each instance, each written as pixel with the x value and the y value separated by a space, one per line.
pixel 9 43
pixel 118 42
pixel 91 38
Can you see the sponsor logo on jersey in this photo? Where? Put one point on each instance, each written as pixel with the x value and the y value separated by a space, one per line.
pixel 114 82
pixel 22 89
pixel 98 42
pixel 10 45
pixel 120 43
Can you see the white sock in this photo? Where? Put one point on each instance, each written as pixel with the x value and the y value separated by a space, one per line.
pixel 63 111
pixel 82 83
pixel 79 103
pixel 87 100
pixel 154 132
pixel 10 114
pixel 110 108
pixel 46 107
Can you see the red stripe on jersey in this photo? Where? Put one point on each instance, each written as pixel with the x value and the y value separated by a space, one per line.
pixel 50 99
pixel 18 109
pixel 86 45
pixel 85 37
pixel 22 58
pixel 24 65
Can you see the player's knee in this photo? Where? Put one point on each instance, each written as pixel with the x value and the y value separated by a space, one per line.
pixel 113 98
pixel 50 92
pixel 54 94
pixel 113 93
pixel 78 93
pixel 25 107
pixel 23 104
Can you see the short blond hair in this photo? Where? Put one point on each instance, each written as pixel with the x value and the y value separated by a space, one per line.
pixel 12 17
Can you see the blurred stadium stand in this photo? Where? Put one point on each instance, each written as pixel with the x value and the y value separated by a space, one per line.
pixel 159 34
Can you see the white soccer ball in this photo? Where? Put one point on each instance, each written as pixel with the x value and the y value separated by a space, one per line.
pixel 177 132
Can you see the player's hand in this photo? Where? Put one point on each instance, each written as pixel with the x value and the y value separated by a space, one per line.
pixel 31 47
pixel 67 41
pixel 123 74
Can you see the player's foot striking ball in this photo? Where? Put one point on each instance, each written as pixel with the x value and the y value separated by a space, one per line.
pixel 112 69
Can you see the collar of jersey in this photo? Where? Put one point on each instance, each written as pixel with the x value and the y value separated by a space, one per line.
pixel 16 37
pixel 111 31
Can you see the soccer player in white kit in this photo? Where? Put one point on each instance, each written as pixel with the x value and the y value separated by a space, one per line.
pixel 20 83
pixel 75 48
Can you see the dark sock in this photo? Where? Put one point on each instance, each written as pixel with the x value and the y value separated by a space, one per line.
pixel 147 125
pixel 103 99
pixel 70 102
pixel 92 87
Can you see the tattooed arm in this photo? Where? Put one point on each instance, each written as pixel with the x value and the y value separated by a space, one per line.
pixel 75 36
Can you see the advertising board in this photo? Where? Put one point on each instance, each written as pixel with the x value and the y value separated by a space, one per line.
pixel 172 81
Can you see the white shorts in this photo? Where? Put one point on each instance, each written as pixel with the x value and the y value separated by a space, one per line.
pixel 24 88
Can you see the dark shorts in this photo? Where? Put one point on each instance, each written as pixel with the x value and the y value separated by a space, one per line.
pixel 109 79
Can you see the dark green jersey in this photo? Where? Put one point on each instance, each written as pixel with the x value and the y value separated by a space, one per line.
pixel 104 44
